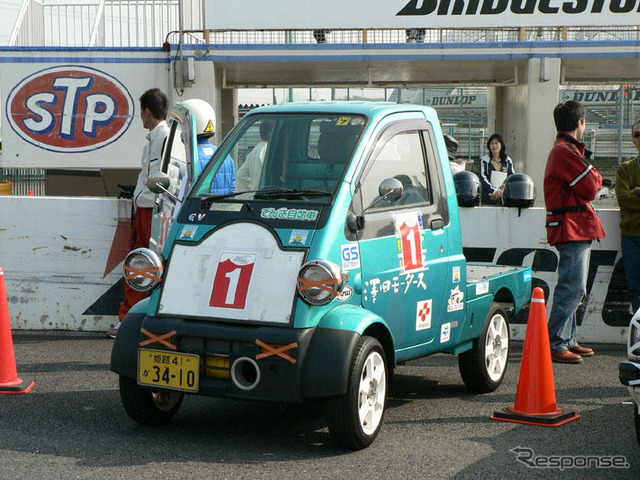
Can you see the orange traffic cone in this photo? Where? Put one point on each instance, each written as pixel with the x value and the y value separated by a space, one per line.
pixel 9 381
pixel 536 395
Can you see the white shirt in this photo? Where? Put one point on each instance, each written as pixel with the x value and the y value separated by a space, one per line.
pixel 248 175
pixel 151 162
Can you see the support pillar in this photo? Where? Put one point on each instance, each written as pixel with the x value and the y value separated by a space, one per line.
pixel 226 105
pixel 524 117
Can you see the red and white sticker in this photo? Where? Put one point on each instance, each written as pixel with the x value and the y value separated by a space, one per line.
pixel 410 235
pixel 423 314
pixel 231 283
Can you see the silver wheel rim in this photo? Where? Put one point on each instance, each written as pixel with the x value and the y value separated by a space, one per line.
pixel 372 393
pixel 496 347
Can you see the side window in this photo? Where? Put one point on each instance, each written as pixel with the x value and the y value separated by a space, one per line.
pixel 177 168
pixel 401 157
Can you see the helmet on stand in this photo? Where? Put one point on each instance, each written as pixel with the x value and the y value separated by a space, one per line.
pixel 519 191
pixel 467 188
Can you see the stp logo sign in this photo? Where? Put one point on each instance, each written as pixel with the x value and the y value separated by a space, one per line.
pixel 70 109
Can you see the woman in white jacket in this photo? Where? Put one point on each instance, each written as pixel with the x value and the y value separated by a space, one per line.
pixel 494 169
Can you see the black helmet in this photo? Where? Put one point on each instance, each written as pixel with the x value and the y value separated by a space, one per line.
pixel 519 191
pixel 467 188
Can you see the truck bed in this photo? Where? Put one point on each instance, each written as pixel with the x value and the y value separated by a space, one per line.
pixel 479 272
pixel 486 279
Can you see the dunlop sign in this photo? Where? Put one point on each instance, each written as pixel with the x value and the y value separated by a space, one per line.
pixel 304 14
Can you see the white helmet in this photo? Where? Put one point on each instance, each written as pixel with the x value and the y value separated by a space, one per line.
pixel 204 115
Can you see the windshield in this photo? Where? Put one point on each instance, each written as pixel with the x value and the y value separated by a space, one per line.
pixel 299 156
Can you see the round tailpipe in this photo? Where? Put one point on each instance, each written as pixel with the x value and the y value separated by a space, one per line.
pixel 245 373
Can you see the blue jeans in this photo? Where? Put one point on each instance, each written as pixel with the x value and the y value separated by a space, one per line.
pixel 571 288
pixel 631 262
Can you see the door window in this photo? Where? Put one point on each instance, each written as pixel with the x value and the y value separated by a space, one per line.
pixel 176 166
pixel 401 157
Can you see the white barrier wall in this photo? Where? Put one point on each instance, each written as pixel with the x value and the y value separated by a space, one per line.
pixel 504 235
pixel 62 259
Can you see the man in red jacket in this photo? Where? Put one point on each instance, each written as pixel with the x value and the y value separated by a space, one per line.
pixel 570 184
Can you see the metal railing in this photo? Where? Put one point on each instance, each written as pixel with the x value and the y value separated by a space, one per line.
pixel 137 23
pixel 113 23
pixel 25 181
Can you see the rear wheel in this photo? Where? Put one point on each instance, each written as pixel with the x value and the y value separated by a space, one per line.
pixel 483 367
pixel 355 418
pixel 148 406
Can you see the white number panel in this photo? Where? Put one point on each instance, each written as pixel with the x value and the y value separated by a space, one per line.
pixel 238 273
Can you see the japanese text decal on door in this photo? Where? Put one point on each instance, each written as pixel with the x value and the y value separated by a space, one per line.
pixel 412 252
pixel 231 284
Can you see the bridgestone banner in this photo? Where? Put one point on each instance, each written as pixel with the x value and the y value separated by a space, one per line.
pixel 326 14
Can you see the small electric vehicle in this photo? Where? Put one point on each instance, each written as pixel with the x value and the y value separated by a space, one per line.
pixel 337 257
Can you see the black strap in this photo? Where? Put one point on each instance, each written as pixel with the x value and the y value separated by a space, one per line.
pixel 572 208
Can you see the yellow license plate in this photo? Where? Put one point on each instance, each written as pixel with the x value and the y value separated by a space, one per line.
pixel 177 371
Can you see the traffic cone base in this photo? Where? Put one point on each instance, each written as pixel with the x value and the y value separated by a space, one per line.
pixel 17 387
pixel 536 394
pixel 9 381
pixel 554 420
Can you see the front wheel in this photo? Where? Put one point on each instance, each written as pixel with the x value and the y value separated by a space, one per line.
pixel 148 406
pixel 483 367
pixel 355 418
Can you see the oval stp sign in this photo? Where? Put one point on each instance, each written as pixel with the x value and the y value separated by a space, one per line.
pixel 69 109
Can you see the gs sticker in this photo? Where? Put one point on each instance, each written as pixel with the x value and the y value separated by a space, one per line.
pixel 69 109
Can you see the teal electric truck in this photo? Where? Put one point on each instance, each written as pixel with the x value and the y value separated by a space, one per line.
pixel 337 256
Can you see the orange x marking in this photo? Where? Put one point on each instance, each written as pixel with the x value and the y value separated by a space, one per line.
pixel 306 284
pixel 145 272
pixel 279 350
pixel 161 339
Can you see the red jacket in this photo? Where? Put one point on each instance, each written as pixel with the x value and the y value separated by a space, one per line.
pixel 570 184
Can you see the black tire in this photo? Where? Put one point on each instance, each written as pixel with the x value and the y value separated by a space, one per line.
pixel 148 406
pixel 637 422
pixel 483 367
pixel 366 395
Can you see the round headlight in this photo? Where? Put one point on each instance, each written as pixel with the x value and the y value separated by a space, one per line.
pixel 143 270
pixel 320 281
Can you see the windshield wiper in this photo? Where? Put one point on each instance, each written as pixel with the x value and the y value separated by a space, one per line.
pixel 206 201
pixel 265 193
pixel 290 192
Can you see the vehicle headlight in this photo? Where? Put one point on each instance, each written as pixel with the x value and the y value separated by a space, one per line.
pixel 634 337
pixel 320 281
pixel 143 269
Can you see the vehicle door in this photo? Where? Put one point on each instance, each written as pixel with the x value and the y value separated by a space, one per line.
pixel 403 245
pixel 178 163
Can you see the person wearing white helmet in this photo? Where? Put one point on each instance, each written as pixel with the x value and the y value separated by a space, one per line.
pixel 225 179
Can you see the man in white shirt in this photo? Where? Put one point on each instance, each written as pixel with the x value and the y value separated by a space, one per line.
pixel 248 175
pixel 154 106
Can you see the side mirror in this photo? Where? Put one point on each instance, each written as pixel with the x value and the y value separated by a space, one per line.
pixel 390 189
pixel 158 182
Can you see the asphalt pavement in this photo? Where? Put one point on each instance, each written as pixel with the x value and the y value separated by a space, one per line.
pixel 72 425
